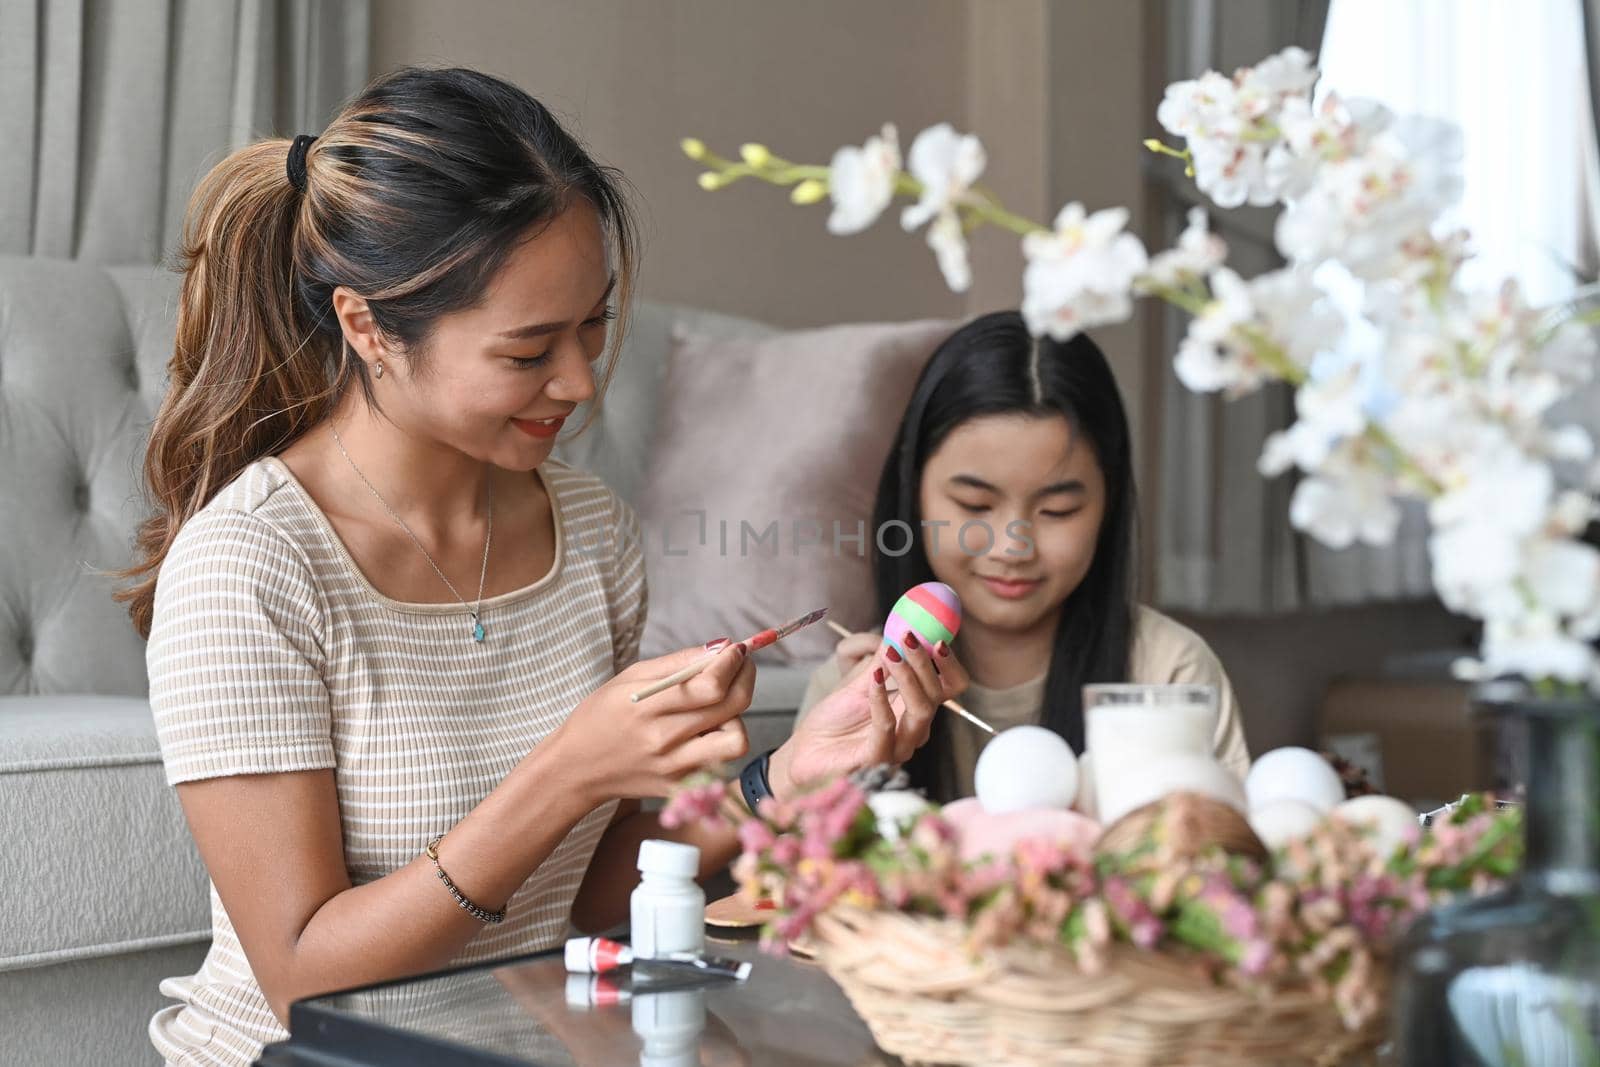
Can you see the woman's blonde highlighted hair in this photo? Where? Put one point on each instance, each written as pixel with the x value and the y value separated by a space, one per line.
pixel 413 197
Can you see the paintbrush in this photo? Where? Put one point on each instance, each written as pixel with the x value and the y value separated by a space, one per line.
pixel 761 640
pixel 953 704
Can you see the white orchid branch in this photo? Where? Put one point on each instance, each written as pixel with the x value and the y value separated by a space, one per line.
pixel 1448 404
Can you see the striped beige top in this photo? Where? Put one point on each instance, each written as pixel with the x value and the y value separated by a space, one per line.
pixel 271 652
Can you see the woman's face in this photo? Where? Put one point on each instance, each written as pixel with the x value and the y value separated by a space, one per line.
pixel 1011 507
pixel 496 380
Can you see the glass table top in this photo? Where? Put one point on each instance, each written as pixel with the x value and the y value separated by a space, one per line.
pixel 787 1013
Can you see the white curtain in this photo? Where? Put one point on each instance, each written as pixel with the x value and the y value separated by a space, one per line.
pixel 113 109
pixel 1513 77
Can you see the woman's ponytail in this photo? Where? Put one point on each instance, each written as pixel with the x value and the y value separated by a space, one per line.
pixel 247 375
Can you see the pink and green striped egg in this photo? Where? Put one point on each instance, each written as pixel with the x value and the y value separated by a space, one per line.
pixel 931 610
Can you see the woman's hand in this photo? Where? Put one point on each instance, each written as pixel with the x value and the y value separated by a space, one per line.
pixel 625 750
pixel 862 723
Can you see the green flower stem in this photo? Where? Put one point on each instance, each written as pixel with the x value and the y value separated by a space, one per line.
pixel 1161 148
pixel 1183 299
pixel 987 208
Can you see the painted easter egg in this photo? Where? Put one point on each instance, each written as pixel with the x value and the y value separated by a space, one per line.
pixel 931 610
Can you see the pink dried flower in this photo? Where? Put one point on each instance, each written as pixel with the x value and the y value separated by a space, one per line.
pixel 932 834
pixel 1256 958
pixel 786 850
pixel 978 881
pixel 756 836
pixel 1144 929
pixel 700 803
pixel 815 846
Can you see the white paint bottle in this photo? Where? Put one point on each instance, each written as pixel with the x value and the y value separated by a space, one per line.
pixel 668 908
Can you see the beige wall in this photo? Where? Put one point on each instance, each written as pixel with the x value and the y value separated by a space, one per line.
pixel 1059 90
pixel 635 76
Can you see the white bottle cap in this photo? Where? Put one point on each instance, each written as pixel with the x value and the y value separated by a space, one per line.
pixel 669 857
pixel 577 955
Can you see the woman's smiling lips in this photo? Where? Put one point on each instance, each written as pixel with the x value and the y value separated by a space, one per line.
pixel 539 427
pixel 1011 588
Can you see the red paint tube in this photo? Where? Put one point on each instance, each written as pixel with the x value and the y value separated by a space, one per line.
pixel 600 955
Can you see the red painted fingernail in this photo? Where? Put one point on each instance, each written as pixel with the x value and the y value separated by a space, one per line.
pixel 717 644
pixel 877 675
pixel 911 641
pixel 943 648
pixel 893 654
pixel 744 649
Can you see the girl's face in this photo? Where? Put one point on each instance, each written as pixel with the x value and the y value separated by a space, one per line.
pixel 1011 511
pixel 496 380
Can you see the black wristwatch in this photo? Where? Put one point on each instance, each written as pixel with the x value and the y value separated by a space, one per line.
pixel 753 784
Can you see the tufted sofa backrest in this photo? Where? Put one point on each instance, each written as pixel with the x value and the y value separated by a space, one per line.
pixel 83 353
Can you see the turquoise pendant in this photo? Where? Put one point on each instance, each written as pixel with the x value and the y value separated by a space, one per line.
pixel 477 631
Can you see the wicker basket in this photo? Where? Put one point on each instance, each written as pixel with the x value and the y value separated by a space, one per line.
pixel 929 1001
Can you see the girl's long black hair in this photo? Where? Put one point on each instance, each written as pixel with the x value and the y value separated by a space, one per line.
pixel 993 366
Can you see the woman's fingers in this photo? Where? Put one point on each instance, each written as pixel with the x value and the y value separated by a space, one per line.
pixel 724 744
pixel 881 726
pixel 712 685
pixel 706 688
pixel 952 672
pixel 920 695
pixel 700 705
pixel 655 668
pixel 919 657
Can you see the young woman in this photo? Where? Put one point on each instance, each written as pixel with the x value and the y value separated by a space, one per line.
pixel 1013 472
pixel 391 643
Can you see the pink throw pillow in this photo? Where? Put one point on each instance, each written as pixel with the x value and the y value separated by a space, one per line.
pixel 757 504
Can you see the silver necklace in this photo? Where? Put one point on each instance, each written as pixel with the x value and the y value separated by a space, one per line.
pixel 488 535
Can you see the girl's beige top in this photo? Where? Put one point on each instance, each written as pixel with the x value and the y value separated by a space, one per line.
pixel 1164 652
pixel 271 652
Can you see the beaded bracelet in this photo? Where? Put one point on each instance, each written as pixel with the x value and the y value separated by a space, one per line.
pixel 483 915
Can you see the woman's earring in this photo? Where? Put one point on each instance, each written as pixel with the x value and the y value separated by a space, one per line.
pixel 377 369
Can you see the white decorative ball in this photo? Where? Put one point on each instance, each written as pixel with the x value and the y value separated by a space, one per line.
pixel 1025 768
pixel 1163 773
pixel 1392 822
pixel 1294 774
pixel 894 809
pixel 1282 821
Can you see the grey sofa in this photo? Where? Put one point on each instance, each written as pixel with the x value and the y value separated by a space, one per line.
pixel 102 892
